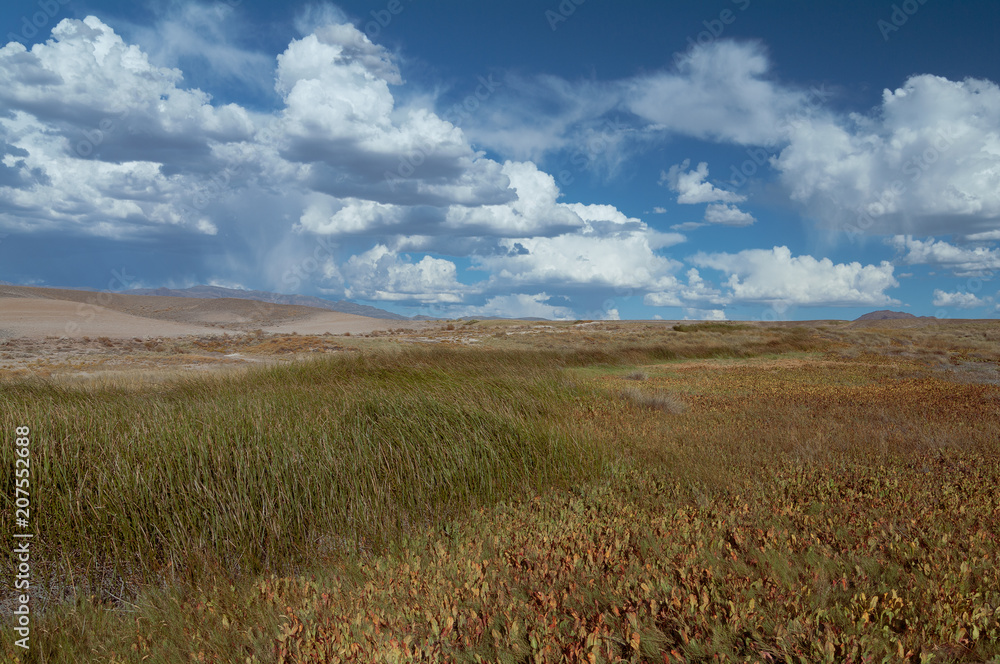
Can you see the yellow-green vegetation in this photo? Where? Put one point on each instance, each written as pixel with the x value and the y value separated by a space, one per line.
pixel 764 494
pixel 277 465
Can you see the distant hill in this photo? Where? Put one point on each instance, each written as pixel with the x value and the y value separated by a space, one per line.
pixel 214 292
pixel 885 314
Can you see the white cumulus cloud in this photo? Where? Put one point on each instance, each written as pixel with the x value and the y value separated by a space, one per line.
pixel 960 300
pixel 927 161
pixel 727 215
pixel 775 276
pixel 963 261
pixel 721 91
pixel 381 274
pixel 521 305
pixel 691 186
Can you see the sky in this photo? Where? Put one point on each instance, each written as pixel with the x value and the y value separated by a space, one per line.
pixel 563 159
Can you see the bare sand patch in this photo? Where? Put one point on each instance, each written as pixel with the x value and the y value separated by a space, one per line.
pixel 335 323
pixel 226 312
pixel 118 315
pixel 40 318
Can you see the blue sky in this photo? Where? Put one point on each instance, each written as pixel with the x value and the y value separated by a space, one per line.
pixel 734 159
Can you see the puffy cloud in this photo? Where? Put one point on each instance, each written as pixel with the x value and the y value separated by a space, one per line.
pixel 776 277
pixel 530 117
pixel 204 40
pixel 341 120
pixel 99 141
pixel 959 300
pixel 986 236
pixel 927 161
pixel 696 291
pixel 720 92
pixel 521 305
pixel 534 211
pixel 353 216
pixel 691 186
pixel 704 314
pixel 662 299
pixel 962 261
pixel 727 215
pixel 626 259
pixel 104 97
pixel 693 189
pixel 381 274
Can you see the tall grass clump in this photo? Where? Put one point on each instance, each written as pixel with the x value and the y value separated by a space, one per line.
pixel 257 472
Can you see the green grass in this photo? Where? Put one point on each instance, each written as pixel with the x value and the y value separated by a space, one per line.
pixel 524 506
pixel 264 470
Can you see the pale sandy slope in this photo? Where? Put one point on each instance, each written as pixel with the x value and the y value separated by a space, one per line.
pixel 45 312
pixel 337 323
pixel 40 318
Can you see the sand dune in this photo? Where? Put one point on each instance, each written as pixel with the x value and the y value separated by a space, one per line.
pixel 44 312
pixel 335 323
pixel 37 317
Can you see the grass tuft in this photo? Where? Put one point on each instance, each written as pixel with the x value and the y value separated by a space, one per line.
pixel 662 401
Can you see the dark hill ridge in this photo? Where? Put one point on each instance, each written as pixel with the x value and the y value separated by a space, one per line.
pixel 215 292
pixel 886 314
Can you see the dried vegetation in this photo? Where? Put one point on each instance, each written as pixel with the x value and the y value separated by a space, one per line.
pixel 588 492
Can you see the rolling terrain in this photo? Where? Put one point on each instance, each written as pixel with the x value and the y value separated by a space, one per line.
pixel 510 491
pixel 42 312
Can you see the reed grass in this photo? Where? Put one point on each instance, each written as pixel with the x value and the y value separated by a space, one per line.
pixel 803 503
pixel 264 469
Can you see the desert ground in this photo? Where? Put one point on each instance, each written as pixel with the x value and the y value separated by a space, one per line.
pixel 28 312
pixel 84 332
pixel 229 481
